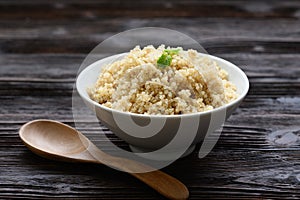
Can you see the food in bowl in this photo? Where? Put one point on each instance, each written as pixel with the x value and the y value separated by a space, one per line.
pixel 137 129
pixel 163 81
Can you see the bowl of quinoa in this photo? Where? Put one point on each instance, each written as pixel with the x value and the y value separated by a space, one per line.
pixel 138 84
pixel 163 83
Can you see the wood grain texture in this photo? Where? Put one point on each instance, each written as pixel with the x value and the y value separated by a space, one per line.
pixel 191 8
pixel 42 44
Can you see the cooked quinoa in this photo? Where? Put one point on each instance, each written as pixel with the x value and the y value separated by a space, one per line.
pixel 137 84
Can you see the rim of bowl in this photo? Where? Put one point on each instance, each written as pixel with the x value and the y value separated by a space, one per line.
pixel 240 97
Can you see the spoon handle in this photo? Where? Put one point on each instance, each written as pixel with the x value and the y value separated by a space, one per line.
pixel 163 183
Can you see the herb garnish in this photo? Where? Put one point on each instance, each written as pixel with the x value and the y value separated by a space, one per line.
pixel 166 58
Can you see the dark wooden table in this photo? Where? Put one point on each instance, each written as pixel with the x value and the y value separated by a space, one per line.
pixel 42 44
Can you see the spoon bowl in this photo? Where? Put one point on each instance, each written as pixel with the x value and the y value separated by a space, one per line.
pixel 57 141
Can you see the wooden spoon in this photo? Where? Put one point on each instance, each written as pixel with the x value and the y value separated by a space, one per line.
pixel 57 141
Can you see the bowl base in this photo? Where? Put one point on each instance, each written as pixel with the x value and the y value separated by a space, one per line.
pixel 162 156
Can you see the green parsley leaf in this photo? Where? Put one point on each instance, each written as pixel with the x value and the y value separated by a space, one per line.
pixel 166 58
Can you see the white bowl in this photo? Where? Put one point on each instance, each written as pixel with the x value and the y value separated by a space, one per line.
pixel 153 132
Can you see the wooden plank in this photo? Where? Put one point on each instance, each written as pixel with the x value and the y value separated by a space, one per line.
pixel 14 90
pixel 270 115
pixel 232 176
pixel 202 29
pixel 63 68
pixel 78 10
pixel 216 35
pixel 84 46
